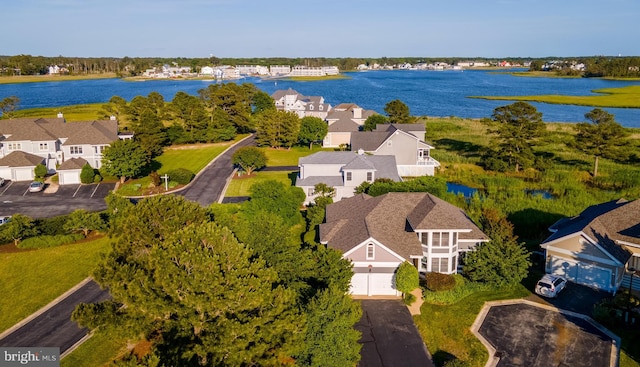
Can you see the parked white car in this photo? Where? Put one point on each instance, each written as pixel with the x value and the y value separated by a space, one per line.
pixel 4 220
pixel 550 285
pixel 36 186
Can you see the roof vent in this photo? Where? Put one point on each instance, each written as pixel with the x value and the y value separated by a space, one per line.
pixel 112 117
pixel 60 115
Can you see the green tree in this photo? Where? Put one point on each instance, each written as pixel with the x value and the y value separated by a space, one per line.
pixel 87 174
pixel 233 100
pixel 124 158
pixel 374 120
pixel 398 112
pixel 249 158
pixel 277 129
pixel 276 197
pixel 190 113
pixel 19 227
pixel 83 221
pixel 40 170
pixel 516 127
pixel 262 101
pixel 502 261
pixel 601 137
pixel 312 129
pixel 206 296
pixel 117 106
pixel 407 278
pixel 331 338
pixel 8 106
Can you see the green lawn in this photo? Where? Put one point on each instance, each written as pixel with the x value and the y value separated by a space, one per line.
pixel 624 97
pixel 98 350
pixel 80 112
pixel 31 279
pixel 289 157
pixel 240 186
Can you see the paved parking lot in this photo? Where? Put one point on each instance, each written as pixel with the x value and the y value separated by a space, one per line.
pixel 523 333
pixel 54 200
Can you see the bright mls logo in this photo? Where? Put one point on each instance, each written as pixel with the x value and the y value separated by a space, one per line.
pixel 41 357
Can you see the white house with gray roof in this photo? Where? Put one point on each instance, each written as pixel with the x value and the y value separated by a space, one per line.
pixel 291 100
pixel 597 247
pixel 343 171
pixel 379 233
pixel 403 141
pixel 343 120
pixel 52 142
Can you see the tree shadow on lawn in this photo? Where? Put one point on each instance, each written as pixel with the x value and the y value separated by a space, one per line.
pixel 441 357
pixel 293 176
pixel 533 223
pixel 462 147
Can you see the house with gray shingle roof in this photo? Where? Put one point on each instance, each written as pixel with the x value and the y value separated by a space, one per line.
pixel 403 141
pixel 379 233
pixel 596 247
pixel 343 120
pixel 303 106
pixel 343 171
pixel 54 141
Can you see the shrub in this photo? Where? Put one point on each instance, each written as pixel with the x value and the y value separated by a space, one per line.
pixel 408 298
pixel 181 175
pixel 437 282
pixel 462 289
pixel 97 178
pixel 40 170
pixel 407 278
pixel 49 241
pixel 87 174
pixel 52 226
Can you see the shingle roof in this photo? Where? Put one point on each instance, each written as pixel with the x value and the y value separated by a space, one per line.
pixel 82 132
pixel 20 159
pixel 73 163
pixel 281 93
pixel 607 223
pixel 389 219
pixel 368 140
pixel 332 181
pixel 404 127
pixel 93 132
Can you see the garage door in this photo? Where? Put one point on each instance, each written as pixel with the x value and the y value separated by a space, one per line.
pixel 373 284
pixel 586 274
pixel 68 178
pixel 24 174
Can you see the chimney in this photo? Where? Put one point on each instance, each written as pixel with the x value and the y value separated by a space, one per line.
pixel 60 115
pixel 112 117
pixel 357 112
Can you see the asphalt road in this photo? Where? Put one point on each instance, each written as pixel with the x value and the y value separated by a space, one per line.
pixel 208 186
pixel 54 328
pixel 390 337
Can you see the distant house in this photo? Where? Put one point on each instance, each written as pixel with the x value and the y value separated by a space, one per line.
pixel 27 142
pixel 291 100
pixel 596 247
pixel 379 233
pixel 207 70
pixel 403 141
pixel 344 171
pixel 343 120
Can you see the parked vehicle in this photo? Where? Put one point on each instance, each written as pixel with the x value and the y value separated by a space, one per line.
pixel 36 186
pixel 550 285
pixel 4 220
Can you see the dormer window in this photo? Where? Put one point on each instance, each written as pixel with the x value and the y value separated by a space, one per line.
pixel 371 251
pixel 311 107
pixel 320 107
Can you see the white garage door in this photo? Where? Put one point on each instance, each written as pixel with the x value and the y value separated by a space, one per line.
pixel 373 284
pixel 68 178
pixel 5 173
pixel 586 274
pixel 24 174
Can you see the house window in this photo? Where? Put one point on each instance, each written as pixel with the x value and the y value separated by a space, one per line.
pixel 14 146
pixel 311 107
pixel 369 176
pixel 310 191
pixel 44 146
pixel 440 239
pixel 320 107
pixel 634 262
pixel 371 251
pixel 348 176
pixel 75 149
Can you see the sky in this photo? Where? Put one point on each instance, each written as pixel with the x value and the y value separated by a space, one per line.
pixel 321 28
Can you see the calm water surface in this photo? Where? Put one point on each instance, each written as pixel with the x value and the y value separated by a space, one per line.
pixel 427 93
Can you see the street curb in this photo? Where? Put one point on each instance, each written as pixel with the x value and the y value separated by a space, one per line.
pixel 226 186
pixel 76 345
pixel 45 308
pixel 494 359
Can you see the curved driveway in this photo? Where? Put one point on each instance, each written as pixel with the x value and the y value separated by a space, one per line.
pixel 208 186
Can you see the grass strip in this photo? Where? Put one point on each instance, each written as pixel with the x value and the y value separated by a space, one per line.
pixel 31 279
pixel 240 186
pixel 53 78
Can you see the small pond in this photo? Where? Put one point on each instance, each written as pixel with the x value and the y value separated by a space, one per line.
pixel 468 192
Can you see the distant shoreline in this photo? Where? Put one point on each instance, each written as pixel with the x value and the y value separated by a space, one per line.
pixel 17 79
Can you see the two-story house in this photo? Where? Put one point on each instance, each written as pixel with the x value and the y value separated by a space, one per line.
pixel 403 141
pixel 52 142
pixel 290 100
pixel 343 120
pixel 379 233
pixel 343 171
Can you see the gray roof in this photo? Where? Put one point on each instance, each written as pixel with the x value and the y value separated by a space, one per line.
pixel 388 219
pixel 404 127
pixel 20 159
pixel 332 181
pixel 384 165
pixel 281 93
pixel 71 164
pixel 607 223
pixel 326 157
pixel 82 132
pixel 368 140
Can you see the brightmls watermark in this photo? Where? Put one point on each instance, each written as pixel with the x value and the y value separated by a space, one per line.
pixel 31 356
